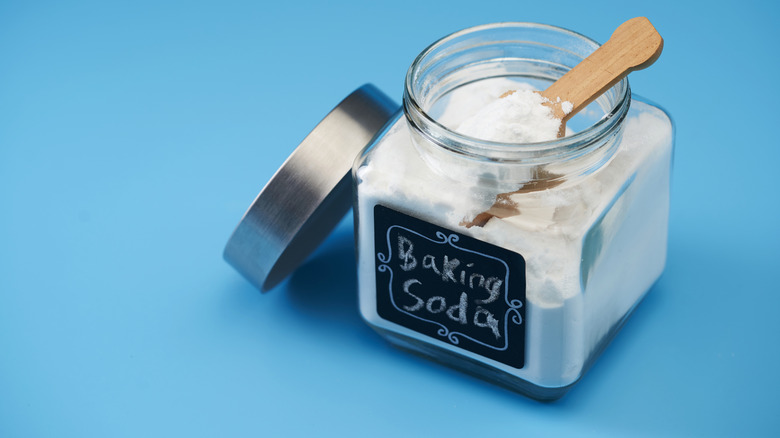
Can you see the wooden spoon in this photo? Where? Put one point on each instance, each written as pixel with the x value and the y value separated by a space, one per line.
pixel 634 45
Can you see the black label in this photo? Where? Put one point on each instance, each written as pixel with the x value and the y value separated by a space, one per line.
pixel 450 287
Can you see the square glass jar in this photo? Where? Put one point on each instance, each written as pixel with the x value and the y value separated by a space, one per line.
pixel 517 263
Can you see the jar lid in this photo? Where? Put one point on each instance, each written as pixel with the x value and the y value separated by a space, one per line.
pixel 309 194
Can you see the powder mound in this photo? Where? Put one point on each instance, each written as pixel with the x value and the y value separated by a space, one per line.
pixel 567 107
pixel 519 117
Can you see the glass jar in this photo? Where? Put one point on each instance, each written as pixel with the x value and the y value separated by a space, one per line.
pixel 517 263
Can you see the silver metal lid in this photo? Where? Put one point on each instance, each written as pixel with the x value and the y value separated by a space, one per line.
pixel 309 194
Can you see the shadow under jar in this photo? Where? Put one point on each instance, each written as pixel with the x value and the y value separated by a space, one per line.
pixel 529 300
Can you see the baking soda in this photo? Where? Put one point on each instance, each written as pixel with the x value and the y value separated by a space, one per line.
pixel 592 246
pixel 519 117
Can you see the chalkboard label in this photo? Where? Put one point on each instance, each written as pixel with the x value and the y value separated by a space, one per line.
pixel 450 287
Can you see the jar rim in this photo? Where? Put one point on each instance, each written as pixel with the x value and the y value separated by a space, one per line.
pixel 560 148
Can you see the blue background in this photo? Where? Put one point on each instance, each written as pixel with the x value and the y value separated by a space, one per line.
pixel 134 134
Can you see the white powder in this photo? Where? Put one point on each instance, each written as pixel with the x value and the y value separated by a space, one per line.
pixel 592 246
pixel 567 106
pixel 518 117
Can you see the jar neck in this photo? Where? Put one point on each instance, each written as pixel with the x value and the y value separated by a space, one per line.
pixel 534 53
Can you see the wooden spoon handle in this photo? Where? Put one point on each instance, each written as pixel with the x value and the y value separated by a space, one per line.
pixel 634 45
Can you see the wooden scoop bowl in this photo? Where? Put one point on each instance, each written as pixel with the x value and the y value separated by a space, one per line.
pixel 634 45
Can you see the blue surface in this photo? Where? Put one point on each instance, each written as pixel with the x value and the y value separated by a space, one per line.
pixel 133 135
